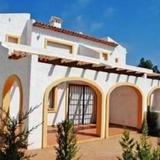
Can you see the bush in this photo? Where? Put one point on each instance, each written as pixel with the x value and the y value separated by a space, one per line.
pixel 156 153
pixel 128 145
pixel 67 141
pixel 143 148
pixel 13 139
pixel 138 150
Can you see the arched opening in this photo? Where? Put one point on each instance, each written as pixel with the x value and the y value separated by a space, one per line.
pixel 124 109
pixel 12 97
pixel 154 102
pixel 76 99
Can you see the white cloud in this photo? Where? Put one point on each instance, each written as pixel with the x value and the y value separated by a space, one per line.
pixel 154 8
pixel 79 23
pixel 75 8
pixel 83 3
pixel 109 12
pixel 96 26
pixel 83 24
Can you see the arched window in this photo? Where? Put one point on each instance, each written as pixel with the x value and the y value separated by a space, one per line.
pixel 52 99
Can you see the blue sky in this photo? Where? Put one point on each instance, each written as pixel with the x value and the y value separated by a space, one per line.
pixel 133 23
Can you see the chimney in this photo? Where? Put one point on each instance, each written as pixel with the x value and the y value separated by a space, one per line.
pixel 56 22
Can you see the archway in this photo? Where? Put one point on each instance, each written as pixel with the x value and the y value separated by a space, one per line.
pixel 154 99
pixel 153 102
pixel 12 96
pixel 124 104
pixel 91 87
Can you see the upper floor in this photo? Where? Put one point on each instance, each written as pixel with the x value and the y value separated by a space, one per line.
pixel 18 30
pixel 21 29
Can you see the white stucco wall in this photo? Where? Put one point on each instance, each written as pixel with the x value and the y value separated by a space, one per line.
pixel 94 49
pixel 120 53
pixel 14 101
pixel 88 52
pixel 20 68
pixel 59 115
pixel 14 24
pixel 36 77
pixel 42 75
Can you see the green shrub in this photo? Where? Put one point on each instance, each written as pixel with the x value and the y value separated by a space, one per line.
pixel 66 139
pixel 13 139
pixel 138 150
pixel 127 145
pixel 156 153
pixel 143 148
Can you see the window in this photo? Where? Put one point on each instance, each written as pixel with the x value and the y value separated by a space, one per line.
pixel 105 56
pixel 58 47
pixel 52 100
pixel 116 60
pixel 12 39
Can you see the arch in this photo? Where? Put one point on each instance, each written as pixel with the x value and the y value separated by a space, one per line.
pixel 150 94
pixel 91 84
pixel 139 93
pixel 6 93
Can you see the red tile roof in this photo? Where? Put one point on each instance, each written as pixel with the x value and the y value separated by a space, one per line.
pixel 75 34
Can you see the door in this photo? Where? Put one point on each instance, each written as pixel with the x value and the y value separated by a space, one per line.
pixel 81 104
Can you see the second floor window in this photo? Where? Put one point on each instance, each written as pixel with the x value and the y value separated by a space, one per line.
pixel 116 60
pixel 105 56
pixel 12 39
pixel 52 100
pixel 58 47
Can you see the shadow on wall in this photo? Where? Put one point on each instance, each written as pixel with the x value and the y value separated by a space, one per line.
pixel 60 100
pixel 13 91
pixel 96 75
pixel 51 70
pixel 118 77
pixel 83 73
pixel 68 71
pixel 108 76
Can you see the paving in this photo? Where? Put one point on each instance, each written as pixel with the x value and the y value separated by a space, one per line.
pixel 96 149
pixel 86 132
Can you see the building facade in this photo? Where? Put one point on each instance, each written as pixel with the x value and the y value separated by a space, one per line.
pixel 70 75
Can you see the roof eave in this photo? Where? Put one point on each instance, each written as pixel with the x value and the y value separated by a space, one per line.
pixel 75 34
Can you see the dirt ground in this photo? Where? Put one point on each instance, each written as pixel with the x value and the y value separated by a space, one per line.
pixel 98 149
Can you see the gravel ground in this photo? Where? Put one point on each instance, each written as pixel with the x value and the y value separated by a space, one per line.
pixel 100 149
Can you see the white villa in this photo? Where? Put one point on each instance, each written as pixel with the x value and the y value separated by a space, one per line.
pixel 70 75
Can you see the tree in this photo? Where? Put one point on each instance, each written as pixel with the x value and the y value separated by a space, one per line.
pixel 155 69
pixel 148 64
pixel 66 139
pixel 145 63
pixel 13 136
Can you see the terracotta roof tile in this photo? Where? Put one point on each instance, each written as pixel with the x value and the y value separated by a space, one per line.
pixel 75 34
